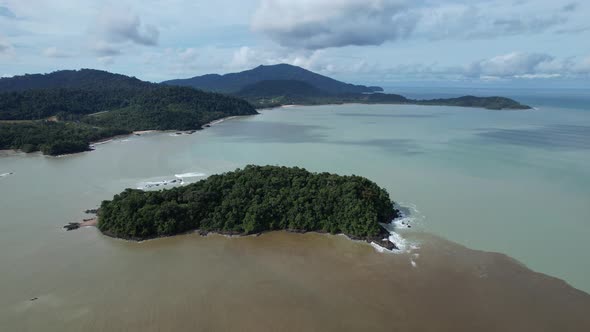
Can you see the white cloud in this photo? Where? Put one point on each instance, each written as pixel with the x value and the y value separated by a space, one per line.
pixel 507 65
pixel 106 60
pixel 5 46
pixel 249 57
pixel 103 48
pixel 318 24
pixel 54 52
pixel 529 66
pixel 116 30
pixel 7 13
pixel 122 26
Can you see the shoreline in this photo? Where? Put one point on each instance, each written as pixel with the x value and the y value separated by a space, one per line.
pixel 410 251
pixel 530 108
pixel 382 242
pixel 92 144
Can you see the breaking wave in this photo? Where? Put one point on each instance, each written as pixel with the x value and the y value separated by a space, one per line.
pixel 409 216
pixel 190 175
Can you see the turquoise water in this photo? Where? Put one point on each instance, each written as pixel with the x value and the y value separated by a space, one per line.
pixel 516 182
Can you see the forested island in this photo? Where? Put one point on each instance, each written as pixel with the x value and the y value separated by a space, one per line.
pixel 64 111
pixel 254 200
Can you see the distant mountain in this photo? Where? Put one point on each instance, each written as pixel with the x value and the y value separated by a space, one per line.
pixel 88 79
pixel 273 88
pixel 233 83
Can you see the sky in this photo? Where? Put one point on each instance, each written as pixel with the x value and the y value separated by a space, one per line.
pixel 499 43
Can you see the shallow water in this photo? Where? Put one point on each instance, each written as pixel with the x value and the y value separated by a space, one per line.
pixel 515 182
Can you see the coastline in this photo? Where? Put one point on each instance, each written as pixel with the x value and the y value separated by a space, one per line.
pixel 413 252
pixel 92 144
pixel 154 131
pixel 388 241
pixel 527 107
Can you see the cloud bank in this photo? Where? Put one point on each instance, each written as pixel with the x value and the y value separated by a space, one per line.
pixel 5 45
pixel 318 24
pixel 116 30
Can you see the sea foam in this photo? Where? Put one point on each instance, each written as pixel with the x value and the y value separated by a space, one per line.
pixel 408 216
pixel 190 175
pixel 159 184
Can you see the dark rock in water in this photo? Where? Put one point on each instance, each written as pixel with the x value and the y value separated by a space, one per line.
pixel 203 233
pixel 71 226
pixel 207 126
pixel 87 219
pixel 385 243
pixel 137 134
pixel 33 299
pixel 91 211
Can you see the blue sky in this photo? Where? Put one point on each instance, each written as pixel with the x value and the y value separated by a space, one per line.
pixel 525 43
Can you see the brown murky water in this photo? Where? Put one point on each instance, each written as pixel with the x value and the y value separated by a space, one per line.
pixel 291 282
pixel 512 192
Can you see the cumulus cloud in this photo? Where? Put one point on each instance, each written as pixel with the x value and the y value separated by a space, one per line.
pixel 54 52
pixel 183 62
pixel 248 57
pixel 506 67
pixel 116 30
pixel 106 60
pixel 103 48
pixel 570 7
pixel 317 24
pixel 529 65
pixel 5 46
pixel 7 13
pixel 509 64
pixel 122 27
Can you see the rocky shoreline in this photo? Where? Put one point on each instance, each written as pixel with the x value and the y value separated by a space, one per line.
pixel 382 240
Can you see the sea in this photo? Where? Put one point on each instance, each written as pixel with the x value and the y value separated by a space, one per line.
pixel 498 203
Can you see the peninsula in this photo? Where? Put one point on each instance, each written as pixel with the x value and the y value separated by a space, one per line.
pixel 253 200
pixel 283 84
pixel 64 111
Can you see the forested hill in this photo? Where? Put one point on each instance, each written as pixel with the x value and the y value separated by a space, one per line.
pixel 272 88
pixel 234 82
pixel 254 200
pixel 94 104
pixel 88 79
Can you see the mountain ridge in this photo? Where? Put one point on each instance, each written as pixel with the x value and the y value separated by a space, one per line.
pixel 234 82
pixel 84 78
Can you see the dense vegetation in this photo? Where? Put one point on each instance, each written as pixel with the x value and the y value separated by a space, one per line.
pixel 86 79
pixel 492 103
pixel 52 138
pixel 284 92
pixel 253 200
pixel 97 103
pixel 234 82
